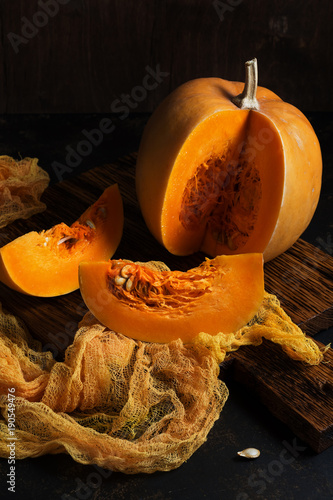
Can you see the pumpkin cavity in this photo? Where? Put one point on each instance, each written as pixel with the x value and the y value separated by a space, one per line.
pixel 160 291
pixel 224 195
pixel 62 239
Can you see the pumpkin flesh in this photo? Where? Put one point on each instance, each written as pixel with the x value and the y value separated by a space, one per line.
pixel 45 263
pixel 221 294
pixel 227 202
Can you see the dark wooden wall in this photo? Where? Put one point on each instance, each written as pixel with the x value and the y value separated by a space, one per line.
pixel 82 55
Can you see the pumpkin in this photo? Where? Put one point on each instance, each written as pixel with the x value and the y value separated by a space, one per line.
pixel 226 167
pixel 145 303
pixel 45 263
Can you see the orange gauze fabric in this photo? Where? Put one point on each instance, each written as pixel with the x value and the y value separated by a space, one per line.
pixel 22 182
pixel 272 323
pixel 123 404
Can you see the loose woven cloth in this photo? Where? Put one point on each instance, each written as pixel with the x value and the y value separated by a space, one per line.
pixel 122 404
pixel 22 183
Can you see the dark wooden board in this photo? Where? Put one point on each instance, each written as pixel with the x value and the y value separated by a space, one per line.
pixel 302 278
pixel 299 395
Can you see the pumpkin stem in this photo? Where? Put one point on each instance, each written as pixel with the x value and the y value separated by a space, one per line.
pixel 247 99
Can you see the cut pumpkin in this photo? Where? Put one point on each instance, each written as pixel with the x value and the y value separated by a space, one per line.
pixel 220 295
pixel 45 263
pixel 228 168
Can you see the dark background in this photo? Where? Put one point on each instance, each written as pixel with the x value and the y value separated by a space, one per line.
pixel 61 78
pixel 81 58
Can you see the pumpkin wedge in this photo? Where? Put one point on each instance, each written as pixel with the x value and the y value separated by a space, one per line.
pixel 220 295
pixel 228 168
pixel 45 263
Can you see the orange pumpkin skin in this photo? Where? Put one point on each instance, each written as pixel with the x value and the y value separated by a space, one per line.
pixel 45 264
pixel 198 123
pixel 221 295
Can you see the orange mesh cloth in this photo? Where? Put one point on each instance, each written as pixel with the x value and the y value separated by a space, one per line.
pixel 123 404
pixel 21 186
pixel 272 323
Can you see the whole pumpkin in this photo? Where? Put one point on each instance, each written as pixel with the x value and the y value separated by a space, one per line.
pixel 226 168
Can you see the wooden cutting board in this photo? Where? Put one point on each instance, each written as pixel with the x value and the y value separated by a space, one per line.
pixel 302 278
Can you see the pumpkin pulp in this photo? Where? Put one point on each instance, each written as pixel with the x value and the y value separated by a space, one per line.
pixel 45 263
pixel 220 295
pixel 229 198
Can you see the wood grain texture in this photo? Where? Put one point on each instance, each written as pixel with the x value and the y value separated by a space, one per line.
pixel 302 278
pixel 89 54
pixel 298 395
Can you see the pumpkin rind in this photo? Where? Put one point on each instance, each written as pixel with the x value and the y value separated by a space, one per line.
pixel 221 295
pixel 45 263
pixel 198 122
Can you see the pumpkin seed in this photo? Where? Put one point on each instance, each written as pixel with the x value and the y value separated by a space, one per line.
pixel 249 453
pixel 90 224
pixel 119 280
pixel 129 285
pixel 66 238
pixel 125 271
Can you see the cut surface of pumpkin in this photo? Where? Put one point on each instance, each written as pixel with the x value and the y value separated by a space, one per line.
pixel 220 295
pixel 45 263
pixel 228 168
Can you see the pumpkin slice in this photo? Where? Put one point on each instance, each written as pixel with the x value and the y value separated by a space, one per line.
pixel 228 168
pixel 45 264
pixel 221 295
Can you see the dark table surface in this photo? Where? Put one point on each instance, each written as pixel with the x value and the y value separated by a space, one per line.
pixel 286 469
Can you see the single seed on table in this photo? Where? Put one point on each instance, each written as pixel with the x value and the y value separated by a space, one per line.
pixel 90 224
pixel 119 280
pixel 249 453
